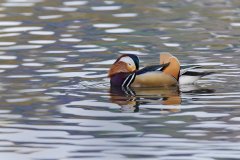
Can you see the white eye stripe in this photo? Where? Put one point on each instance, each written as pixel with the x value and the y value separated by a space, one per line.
pixel 127 60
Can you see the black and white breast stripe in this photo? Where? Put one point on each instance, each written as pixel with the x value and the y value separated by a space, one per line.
pixel 129 80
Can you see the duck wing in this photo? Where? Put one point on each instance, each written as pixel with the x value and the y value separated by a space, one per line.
pixel 152 68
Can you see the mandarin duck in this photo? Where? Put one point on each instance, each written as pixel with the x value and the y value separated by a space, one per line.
pixel 125 72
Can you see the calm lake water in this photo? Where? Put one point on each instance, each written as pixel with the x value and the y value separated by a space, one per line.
pixel 55 97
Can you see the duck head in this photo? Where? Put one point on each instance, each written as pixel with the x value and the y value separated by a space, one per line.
pixel 127 63
pixel 122 70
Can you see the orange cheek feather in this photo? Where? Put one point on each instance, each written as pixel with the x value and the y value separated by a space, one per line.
pixel 117 68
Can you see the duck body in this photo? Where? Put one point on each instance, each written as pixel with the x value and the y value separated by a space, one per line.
pixel 153 79
pixel 145 77
pixel 153 76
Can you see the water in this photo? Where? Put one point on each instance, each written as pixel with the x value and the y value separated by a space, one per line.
pixel 56 101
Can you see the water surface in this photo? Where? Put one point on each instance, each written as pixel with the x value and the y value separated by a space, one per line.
pixel 56 102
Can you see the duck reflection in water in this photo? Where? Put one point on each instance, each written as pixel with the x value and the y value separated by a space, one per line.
pixel 130 99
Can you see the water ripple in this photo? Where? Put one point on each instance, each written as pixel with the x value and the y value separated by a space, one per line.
pixel 201 114
pixel 75 3
pixel 50 17
pixel 56 99
pixel 2 66
pixel 61 9
pixel 10 23
pixel 132 52
pixel 20 47
pixel 10 34
pixel 86 46
pixel 100 49
pixel 75 74
pixel 7 43
pixel 106 8
pixel 3 57
pixel 119 30
pixel 12 4
pixel 171 44
pixel 69 65
pixel 235 24
pixel 70 40
pixel 124 15
pixel 106 25
pixel 42 41
pixel 20 29
pixel 33 64
pixel 44 33
pixel 109 39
